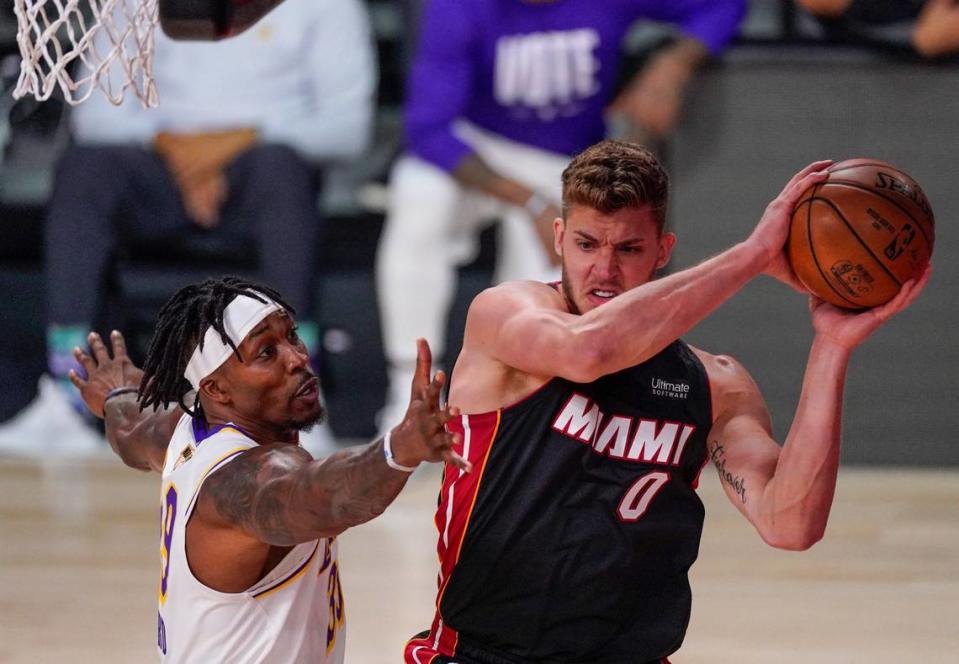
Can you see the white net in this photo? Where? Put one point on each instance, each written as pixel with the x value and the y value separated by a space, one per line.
pixel 80 46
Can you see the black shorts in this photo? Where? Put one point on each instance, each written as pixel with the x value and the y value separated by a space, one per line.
pixel 470 654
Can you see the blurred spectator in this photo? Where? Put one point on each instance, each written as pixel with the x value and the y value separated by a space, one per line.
pixel 235 148
pixel 929 28
pixel 500 94
pixel 936 33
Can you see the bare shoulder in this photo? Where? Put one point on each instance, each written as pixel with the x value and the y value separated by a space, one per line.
pixel 485 377
pixel 507 302
pixel 256 466
pixel 239 491
pixel 730 383
pixel 722 370
pixel 503 299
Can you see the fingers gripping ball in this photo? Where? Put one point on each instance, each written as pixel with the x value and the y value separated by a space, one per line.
pixel 858 236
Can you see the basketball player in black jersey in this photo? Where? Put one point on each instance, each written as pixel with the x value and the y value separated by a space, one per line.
pixel 588 423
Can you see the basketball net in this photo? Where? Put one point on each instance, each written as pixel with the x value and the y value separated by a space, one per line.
pixel 80 46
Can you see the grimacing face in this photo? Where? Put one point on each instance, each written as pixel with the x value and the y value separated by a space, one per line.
pixel 274 385
pixel 605 255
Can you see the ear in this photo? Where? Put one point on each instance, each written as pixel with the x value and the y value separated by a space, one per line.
pixel 216 388
pixel 559 231
pixel 666 243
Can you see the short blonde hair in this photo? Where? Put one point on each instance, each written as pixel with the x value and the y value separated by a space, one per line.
pixel 613 175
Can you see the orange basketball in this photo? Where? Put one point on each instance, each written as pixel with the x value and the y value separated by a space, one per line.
pixel 856 237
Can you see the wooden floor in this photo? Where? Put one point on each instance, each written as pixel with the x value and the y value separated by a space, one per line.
pixel 79 565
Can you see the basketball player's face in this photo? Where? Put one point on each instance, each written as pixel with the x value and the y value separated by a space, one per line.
pixel 605 255
pixel 274 387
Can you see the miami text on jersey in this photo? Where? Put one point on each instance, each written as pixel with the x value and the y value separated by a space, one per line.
pixel 621 437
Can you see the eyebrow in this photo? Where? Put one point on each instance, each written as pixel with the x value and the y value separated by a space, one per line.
pixel 258 330
pixel 627 241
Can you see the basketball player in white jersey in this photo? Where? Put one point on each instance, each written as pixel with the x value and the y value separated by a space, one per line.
pixel 249 519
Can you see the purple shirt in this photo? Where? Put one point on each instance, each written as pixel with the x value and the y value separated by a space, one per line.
pixel 540 73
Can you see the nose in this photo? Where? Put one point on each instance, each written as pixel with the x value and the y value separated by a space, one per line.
pixel 296 356
pixel 606 265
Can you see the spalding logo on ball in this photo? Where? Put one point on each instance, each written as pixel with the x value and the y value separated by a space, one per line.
pixel 858 236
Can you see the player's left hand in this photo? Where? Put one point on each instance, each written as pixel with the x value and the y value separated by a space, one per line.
pixel 850 328
pixel 105 370
pixel 422 435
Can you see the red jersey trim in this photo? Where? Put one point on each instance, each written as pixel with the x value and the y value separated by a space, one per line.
pixel 457 500
pixel 701 469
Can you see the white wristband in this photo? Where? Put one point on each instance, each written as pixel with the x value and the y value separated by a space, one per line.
pixel 388 453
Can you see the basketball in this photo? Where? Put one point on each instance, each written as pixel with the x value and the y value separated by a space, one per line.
pixel 858 236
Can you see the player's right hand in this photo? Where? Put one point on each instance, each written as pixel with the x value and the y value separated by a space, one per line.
pixel 105 370
pixel 772 231
pixel 422 435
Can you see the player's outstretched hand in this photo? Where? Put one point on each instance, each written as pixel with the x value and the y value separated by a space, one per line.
pixel 105 370
pixel 422 435
pixel 850 328
pixel 772 231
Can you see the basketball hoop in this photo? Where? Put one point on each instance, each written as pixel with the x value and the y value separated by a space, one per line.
pixel 78 46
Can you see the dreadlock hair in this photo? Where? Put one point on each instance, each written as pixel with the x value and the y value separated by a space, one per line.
pixel 181 325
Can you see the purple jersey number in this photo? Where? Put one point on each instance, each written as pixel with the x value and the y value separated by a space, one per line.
pixel 167 519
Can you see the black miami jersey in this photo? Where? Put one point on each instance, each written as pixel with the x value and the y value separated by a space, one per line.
pixel 572 538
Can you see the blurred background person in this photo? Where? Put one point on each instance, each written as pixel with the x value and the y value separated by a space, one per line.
pixel 500 94
pixel 235 149
pixel 927 28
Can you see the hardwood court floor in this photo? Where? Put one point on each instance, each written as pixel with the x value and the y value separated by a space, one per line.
pixel 79 565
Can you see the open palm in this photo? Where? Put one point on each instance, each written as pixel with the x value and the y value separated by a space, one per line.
pixel 850 328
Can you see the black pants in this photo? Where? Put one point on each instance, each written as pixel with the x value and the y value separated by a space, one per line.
pixel 471 654
pixel 107 195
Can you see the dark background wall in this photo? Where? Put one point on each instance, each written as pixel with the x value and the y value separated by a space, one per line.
pixel 750 125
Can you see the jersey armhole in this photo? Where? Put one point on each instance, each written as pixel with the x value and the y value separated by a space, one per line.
pixel 221 461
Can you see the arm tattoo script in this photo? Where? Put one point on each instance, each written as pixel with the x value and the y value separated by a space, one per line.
pixel 718 455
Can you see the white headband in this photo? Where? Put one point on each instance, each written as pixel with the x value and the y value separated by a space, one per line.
pixel 239 318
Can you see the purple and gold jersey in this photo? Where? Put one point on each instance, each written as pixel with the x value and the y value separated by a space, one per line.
pixel 571 539
pixel 294 614
pixel 539 73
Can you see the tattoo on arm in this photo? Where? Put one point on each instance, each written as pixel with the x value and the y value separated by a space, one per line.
pixel 281 496
pixel 243 494
pixel 718 455
pixel 138 437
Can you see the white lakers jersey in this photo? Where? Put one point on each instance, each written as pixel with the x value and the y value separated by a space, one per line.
pixel 294 614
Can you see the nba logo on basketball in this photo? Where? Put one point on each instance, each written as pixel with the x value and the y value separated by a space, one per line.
pixel 854 278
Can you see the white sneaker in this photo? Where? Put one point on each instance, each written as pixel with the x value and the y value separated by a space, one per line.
pixel 319 441
pixel 50 426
